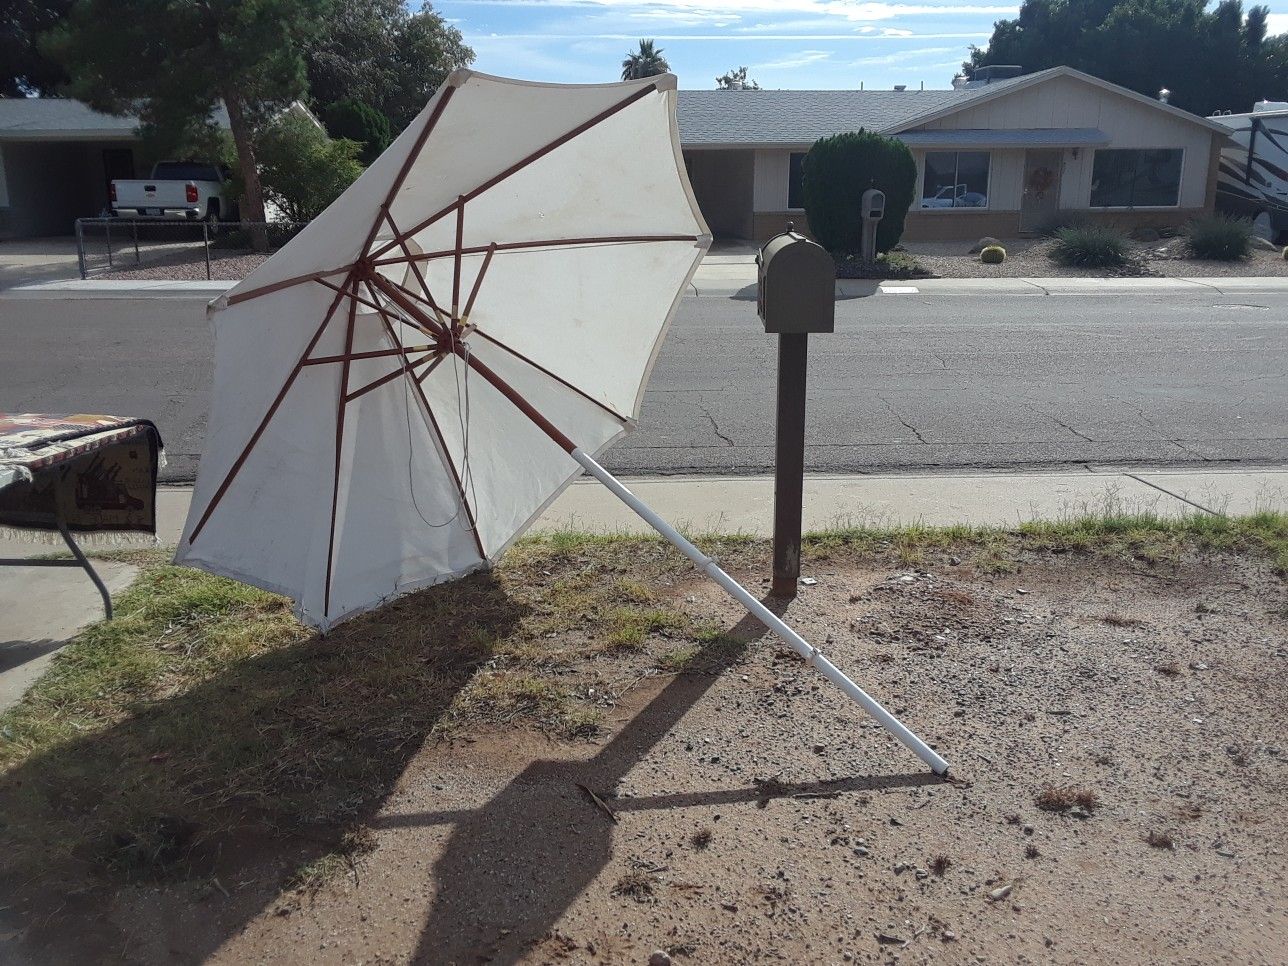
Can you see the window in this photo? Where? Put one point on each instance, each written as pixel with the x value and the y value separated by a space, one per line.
pixel 795 181
pixel 955 179
pixel 1123 178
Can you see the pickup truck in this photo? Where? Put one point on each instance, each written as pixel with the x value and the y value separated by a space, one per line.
pixel 193 190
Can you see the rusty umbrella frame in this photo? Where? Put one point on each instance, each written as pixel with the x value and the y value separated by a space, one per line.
pixel 445 331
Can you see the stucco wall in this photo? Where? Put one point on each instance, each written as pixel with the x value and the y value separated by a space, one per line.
pixel 1069 102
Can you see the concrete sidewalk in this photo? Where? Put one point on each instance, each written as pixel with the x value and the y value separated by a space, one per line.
pixel 43 608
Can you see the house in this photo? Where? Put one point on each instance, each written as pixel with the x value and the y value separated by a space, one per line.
pixel 1003 154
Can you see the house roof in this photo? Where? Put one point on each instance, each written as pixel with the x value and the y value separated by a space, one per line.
pixel 716 118
pixel 62 119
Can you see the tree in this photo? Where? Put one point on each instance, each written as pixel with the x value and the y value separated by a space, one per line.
pixel 356 121
pixel 174 61
pixel 26 70
pixel 376 53
pixel 645 62
pixel 1217 59
pixel 302 169
pixel 837 170
pixel 736 80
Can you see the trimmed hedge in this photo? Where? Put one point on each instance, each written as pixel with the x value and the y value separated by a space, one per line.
pixel 838 170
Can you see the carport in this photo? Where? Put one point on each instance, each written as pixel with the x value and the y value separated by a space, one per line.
pixel 723 183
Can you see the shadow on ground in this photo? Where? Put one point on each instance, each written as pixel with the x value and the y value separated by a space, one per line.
pixel 245 779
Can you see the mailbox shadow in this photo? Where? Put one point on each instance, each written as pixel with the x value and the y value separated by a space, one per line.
pixel 847 289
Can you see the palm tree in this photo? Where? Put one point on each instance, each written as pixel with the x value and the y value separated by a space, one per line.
pixel 646 62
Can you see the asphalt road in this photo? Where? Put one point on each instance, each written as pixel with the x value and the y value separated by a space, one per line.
pixel 906 381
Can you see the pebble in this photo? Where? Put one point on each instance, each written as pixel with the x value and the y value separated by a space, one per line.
pixel 997 895
pixel 659 957
pixel 948 936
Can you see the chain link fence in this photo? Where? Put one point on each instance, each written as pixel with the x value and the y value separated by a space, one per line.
pixel 179 248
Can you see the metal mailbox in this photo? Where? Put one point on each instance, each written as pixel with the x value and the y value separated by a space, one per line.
pixel 796 285
pixel 874 204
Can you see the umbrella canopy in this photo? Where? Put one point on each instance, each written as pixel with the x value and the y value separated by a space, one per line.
pixel 537 235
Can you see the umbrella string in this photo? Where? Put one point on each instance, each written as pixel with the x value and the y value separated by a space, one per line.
pixel 411 474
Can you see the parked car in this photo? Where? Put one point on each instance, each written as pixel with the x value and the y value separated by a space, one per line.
pixel 192 190
pixel 1252 181
pixel 955 196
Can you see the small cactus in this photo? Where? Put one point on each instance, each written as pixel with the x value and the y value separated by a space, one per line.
pixel 995 255
pixel 1284 253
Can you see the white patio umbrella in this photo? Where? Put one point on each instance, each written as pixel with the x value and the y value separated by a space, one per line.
pixel 405 386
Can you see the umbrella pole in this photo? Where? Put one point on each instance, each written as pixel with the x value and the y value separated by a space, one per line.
pixel 771 620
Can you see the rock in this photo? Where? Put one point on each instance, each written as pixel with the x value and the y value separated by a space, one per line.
pixel 1146 235
pixel 1079 812
pixel 808 581
pixel 659 957
pixel 1265 244
pixel 997 895
pixel 862 852
pixel 948 936
pixel 983 243
pixel 922 874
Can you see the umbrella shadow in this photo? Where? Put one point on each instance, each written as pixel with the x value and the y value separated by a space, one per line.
pixel 236 786
pixel 511 868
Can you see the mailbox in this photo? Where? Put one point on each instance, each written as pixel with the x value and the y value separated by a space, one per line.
pixel 873 204
pixel 796 290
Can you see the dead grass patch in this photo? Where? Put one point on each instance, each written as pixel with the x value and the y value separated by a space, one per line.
pixel 1160 840
pixel 1061 798
pixel 637 885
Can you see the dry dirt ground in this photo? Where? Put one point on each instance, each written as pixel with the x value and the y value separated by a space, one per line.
pixel 756 816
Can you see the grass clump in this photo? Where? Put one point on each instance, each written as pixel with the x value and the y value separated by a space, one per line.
pixel 1090 246
pixel 1219 238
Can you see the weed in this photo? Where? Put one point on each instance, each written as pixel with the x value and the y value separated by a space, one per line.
pixel 1089 246
pixel 1169 669
pixel 1116 619
pixel 1160 840
pixel 1054 798
pixel 637 885
pixel 939 864
pixel 1031 851
pixel 1219 238
pixel 701 838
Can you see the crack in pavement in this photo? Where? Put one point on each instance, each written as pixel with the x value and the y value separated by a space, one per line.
pixel 714 427
pixel 906 425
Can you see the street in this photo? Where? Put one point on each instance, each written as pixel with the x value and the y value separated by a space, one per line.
pixel 912 381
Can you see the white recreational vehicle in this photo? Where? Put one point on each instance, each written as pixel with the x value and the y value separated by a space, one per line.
pixel 1253 177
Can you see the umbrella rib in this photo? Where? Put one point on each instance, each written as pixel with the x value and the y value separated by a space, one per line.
pixel 405 368
pixel 539 243
pixel 525 161
pixel 370 354
pixel 478 283
pixel 432 422
pixel 542 369
pixel 386 314
pixel 456 268
pixel 288 282
pixel 339 447
pixel 402 242
pixel 263 424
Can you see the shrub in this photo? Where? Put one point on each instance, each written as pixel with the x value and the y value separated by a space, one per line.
pixel 1089 246
pixel 993 255
pixel 356 121
pixel 1219 238
pixel 838 170
pixel 302 170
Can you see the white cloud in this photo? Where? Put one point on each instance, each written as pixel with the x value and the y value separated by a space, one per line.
pixel 802 58
pixel 1277 23
pixel 852 10
pixel 902 57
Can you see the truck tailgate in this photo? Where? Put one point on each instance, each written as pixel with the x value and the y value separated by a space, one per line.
pixel 150 194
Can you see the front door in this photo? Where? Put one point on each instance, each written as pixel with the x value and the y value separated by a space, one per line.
pixel 1041 203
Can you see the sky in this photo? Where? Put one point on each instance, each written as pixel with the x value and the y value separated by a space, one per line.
pixel 820 44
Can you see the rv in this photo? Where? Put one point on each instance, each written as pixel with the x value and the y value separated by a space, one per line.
pixel 1253 178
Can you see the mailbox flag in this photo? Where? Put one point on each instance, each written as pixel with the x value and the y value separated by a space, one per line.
pixel 405 386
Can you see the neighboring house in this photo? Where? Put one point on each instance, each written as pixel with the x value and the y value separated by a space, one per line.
pixel 1000 155
pixel 58 156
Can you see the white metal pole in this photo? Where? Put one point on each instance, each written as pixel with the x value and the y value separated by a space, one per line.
pixel 771 620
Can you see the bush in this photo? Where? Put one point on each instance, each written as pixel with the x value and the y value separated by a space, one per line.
pixel 1089 246
pixel 838 170
pixel 301 169
pixel 993 255
pixel 1219 238
pixel 356 121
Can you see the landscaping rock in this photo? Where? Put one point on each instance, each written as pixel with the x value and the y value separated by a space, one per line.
pixel 1146 235
pixel 983 243
pixel 659 957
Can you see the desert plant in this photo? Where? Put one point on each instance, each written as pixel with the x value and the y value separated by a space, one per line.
pixel 993 255
pixel 838 170
pixel 1219 238
pixel 1089 246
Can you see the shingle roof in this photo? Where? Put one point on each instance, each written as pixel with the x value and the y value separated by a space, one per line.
pixel 55 118
pixel 1049 137
pixel 802 117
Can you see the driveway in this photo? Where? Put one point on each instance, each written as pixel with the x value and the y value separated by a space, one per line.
pixel 32 260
